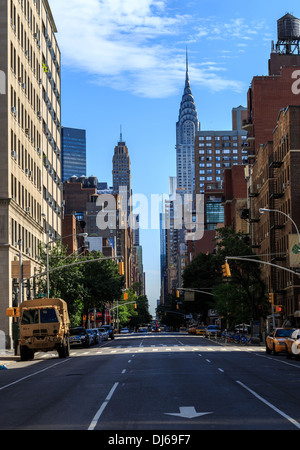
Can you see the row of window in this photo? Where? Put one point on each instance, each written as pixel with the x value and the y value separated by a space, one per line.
pixel 22 157
pixel 30 243
pixel 25 200
pixel 219 138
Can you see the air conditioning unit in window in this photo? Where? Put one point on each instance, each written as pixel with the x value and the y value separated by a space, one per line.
pixel 14 110
pixel 28 209
pixel 14 154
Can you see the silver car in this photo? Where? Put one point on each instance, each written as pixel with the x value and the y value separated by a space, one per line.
pixel 104 333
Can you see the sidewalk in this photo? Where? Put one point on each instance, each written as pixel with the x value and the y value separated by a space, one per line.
pixel 8 357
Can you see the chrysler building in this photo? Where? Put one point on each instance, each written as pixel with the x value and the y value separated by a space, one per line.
pixel 186 129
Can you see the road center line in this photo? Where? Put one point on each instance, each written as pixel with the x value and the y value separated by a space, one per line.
pixel 293 421
pixel 102 407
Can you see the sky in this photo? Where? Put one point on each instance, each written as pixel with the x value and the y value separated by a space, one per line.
pixel 123 65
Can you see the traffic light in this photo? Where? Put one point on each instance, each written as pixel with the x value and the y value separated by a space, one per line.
pixel 226 270
pixel 135 306
pixel 121 268
pixel 177 294
pixel 271 298
pixel 125 295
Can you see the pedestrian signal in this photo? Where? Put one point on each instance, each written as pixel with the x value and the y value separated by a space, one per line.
pixel 13 312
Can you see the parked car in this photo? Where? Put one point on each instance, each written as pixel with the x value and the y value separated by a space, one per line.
pixel 96 338
pixel 124 331
pixel 276 340
pixel 293 345
pixel 212 330
pixel 80 336
pixel 104 333
pixel 200 330
pixel 110 330
pixel 192 329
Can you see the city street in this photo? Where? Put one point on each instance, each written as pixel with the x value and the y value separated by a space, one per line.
pixel 153 382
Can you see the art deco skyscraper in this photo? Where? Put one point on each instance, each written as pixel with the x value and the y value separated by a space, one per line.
pixel 30 144
pixel 186 129
pixel 121 173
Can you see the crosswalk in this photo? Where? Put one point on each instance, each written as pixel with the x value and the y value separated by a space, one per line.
pixel 144 347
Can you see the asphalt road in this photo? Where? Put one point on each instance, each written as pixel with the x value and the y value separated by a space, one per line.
pixel 155 382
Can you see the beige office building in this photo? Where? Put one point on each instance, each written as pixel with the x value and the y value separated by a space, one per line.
pixel 30 143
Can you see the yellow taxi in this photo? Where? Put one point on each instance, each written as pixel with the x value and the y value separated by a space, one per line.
pixel 192 329
pixel 200 330
pixel 277 339
pixel 293 345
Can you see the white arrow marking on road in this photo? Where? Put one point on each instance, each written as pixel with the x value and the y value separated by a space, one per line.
pixel 188 412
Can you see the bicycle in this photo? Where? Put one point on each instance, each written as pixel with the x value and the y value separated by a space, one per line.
pixel 245 340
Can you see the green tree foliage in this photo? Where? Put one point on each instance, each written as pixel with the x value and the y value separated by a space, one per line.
pixel 237 299
pixel 83 286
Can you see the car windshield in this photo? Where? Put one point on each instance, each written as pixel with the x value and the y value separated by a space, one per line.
pixel 30 316
pixel 48 315
pixel 283 333
pixel 75 332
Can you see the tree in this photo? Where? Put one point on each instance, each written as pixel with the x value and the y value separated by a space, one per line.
pixel 238 299
pixel 83 286
pixel 246 292
pixel 203 274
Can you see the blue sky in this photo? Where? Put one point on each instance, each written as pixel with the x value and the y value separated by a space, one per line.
pixel 123 63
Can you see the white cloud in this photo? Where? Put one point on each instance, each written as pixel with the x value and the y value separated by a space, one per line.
pixel 122 44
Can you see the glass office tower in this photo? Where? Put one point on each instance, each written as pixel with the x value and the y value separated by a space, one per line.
pixel 73 153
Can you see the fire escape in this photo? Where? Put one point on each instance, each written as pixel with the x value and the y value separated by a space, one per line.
pixel 276 223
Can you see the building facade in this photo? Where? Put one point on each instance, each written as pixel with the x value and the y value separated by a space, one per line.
pixel 216 151
pixel 276 187
pixel 73 153
pixel 30 146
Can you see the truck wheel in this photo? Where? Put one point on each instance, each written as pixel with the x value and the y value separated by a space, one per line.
pixel 26 353
pixel 63 349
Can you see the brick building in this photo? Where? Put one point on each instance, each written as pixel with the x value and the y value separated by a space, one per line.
pixel 276 178
pixel 235 198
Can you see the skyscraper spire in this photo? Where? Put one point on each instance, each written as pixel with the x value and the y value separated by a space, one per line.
pixel 187 63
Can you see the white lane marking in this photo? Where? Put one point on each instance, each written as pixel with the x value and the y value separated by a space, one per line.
pixel 293 421
pixel 102 407
pixel 33 374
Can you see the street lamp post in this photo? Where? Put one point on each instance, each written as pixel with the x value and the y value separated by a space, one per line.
pixel 263 210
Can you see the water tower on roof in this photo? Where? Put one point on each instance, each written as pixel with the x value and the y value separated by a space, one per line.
pixel 288 31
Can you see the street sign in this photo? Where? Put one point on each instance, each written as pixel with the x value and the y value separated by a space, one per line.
pixel 296 249
pixel 189 296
